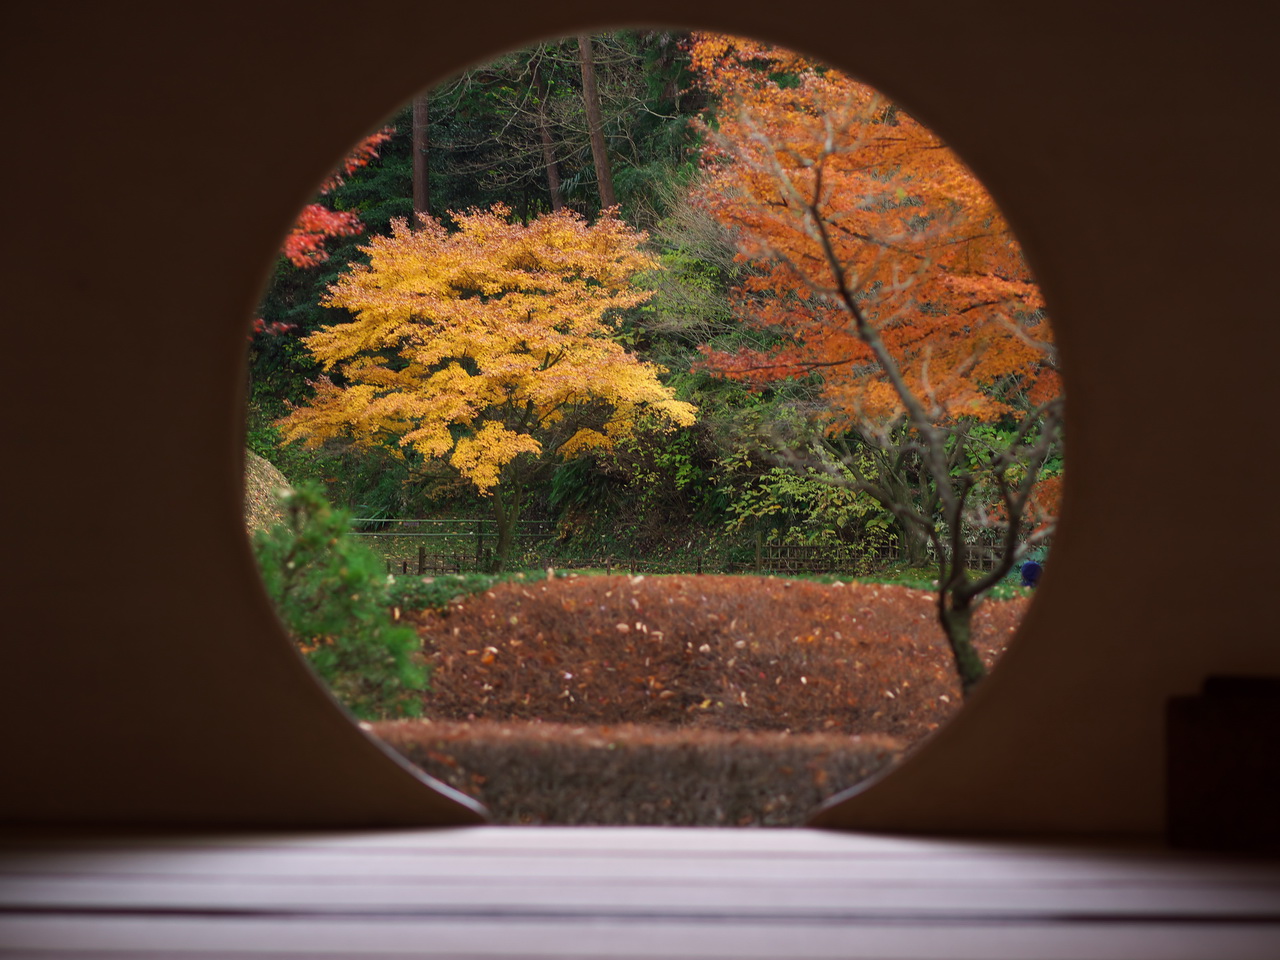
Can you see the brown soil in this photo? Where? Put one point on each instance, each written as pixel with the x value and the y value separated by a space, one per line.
pixel 680 700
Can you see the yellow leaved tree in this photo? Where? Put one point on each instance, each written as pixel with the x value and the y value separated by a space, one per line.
pixel 492 348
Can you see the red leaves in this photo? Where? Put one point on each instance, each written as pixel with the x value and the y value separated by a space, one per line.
pixel 273 329
pixel 316 223
pixel 359 156
pixel 304 246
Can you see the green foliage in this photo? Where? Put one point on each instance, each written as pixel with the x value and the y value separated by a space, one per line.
pixel 436 593
pixel 666 471
pixel 981 444
pixel 926 578
pixel 580 483
pixel 332 597
pixel 807 508
pixel 263 438
pixel 486 126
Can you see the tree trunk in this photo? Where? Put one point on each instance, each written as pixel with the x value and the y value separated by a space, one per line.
pixel 421 143
pixel 591 100
pixel 505 515
pixel 548 145
pixel 916 542
pixel 957 624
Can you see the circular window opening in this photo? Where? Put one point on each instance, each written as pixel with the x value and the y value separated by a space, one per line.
pixel 671 426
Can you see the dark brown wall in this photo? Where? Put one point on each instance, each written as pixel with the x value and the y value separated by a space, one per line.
pixel 154 159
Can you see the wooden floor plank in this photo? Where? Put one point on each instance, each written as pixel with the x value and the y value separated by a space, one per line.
pixel 993 866
pixel 638 840
pixel 627 893
pixel 186 938
pixel 674 895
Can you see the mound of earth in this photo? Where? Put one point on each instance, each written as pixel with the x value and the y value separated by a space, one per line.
pixel 264 487
pixel 730 653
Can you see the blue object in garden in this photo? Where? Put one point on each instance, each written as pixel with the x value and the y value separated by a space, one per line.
pixel 1031 573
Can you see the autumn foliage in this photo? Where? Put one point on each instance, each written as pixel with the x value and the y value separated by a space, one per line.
pixel 491 347
pixel 832 191
pixel 316 223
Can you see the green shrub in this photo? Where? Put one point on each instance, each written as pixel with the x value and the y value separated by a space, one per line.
pixel 332 596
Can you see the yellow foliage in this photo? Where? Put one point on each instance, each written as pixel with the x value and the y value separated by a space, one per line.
pixel 480 456
pixel 490 342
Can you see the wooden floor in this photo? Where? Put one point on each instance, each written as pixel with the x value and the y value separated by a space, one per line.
pixel 625 892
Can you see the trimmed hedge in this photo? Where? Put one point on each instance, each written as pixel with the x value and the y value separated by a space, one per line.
pixel 552 773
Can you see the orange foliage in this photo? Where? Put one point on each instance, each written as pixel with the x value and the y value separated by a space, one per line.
pixel 838 198
pixel 1040 512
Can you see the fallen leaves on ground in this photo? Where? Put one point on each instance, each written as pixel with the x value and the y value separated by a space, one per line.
pixel 730 653
pixel 706 700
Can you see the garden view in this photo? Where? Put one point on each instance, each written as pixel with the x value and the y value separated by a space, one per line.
pixel 652 427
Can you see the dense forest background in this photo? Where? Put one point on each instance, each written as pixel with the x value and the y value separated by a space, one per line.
pixel 584 124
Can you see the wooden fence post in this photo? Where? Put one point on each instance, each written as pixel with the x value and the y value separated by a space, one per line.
pixel 422 559
pixel 759 551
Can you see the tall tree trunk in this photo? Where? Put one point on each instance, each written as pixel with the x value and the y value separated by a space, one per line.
pixel 591 100
pixel 421 144
pixel 548 145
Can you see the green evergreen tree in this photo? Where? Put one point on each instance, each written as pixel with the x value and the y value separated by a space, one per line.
pixel 332 596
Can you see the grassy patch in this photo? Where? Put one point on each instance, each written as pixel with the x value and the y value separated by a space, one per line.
pixel 411 592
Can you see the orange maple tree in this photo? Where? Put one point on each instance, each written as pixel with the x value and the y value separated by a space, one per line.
pixel 878 265
pixel 831 190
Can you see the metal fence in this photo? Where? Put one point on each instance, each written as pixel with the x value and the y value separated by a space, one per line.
pixel 442 545
pixel 826 558
pixel 434 546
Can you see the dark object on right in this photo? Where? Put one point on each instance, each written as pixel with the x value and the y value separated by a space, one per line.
pixel 1031 571
pixel 1223 766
